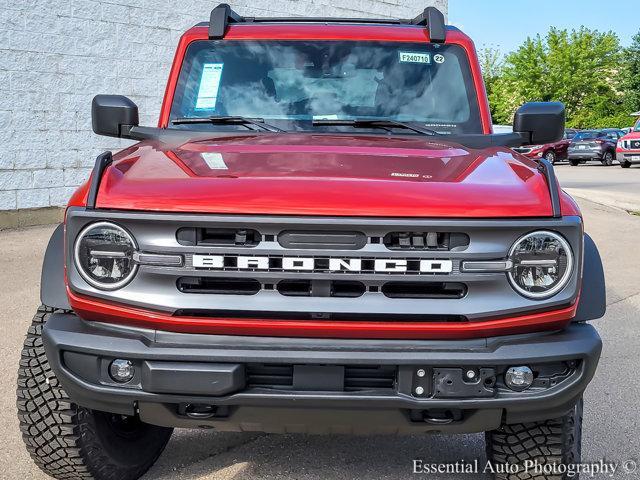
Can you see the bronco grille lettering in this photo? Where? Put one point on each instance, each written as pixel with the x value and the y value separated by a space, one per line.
pixel 313 264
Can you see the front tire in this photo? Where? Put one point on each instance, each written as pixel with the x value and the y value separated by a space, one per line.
pixel 550 156
pixel 625 164
pixel 68 441
pixel 550 442
pixel 574 163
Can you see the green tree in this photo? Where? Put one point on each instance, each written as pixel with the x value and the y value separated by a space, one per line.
pixel 580 68
pixel 631 77
pixel 492 65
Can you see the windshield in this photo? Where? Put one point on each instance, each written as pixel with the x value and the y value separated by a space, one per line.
pixel 637 127
pixel 292 83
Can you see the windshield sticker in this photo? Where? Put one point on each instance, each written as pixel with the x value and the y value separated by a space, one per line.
pixel 214 161
pixel 209 86
pixel 438 58
pixel 415 57
pixel 325 117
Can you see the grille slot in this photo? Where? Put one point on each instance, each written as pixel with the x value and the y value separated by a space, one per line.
pixel 436 241
pixel 370 378
pixel 319 240
pixel 424 290
pixel 321 288
pixel 356 378
pixel 219 286
pixel 269 376
pixel 218 237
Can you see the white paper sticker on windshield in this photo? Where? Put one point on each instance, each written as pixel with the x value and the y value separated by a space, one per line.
pixel 214 161
pixel 325 117
pixel 209 86
pixel 415 57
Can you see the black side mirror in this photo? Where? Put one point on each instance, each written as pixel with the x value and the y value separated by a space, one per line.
pixel 540 122
pixel 113 115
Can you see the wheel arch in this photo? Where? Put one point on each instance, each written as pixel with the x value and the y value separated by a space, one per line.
pixel 53 292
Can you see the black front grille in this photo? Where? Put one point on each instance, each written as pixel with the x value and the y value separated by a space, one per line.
pixel 635 144
pixel 356 378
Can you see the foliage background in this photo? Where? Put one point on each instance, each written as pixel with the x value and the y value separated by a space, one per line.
pixel 587 70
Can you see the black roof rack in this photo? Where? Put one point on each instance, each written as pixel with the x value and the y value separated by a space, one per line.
pixel 431 18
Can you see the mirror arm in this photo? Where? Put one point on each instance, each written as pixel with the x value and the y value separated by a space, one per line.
pixel 524 139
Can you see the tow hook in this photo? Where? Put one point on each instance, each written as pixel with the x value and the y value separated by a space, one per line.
pixel 438 421
pixel 437 416
pixel 197 411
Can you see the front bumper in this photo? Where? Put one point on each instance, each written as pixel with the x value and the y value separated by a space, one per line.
pixel 585 154
pixel 195 380
pixel 626 156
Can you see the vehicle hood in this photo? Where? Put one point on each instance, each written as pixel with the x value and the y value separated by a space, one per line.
pixel 338 175
pixel 631 136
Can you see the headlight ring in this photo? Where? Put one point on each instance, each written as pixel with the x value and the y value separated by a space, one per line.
pixel 542 264
pixel 103 255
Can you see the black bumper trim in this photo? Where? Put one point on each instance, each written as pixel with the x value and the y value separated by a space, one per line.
pixel 67 333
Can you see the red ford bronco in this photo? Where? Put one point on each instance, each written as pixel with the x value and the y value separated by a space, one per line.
pixel 322 235
pixel 628 148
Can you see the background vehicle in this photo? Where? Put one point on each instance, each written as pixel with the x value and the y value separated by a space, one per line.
pixel 552 152
pixel 628 149
pixel 323 235
pixel 594 145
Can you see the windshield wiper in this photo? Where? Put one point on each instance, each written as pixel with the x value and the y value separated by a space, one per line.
pixel 228 120
pixel 372 123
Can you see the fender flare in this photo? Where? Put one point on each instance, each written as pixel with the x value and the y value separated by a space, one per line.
pixel 593 297
pixel 53 292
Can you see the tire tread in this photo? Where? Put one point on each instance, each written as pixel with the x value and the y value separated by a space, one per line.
pixel 555 441
pixel 60 435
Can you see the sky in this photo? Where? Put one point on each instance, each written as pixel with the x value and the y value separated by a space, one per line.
pixel 505 24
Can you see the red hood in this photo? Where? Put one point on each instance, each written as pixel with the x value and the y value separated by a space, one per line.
pixel 631 136
pixel 303 174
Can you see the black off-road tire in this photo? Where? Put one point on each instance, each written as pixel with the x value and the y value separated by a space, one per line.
pixel 71 442
pixel 625 164
pixel 574 163
pixel 551 442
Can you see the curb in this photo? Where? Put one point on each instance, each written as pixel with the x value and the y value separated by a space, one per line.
pixel 628 204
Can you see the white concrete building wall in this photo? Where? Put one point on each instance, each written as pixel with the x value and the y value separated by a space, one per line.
pixel 55 55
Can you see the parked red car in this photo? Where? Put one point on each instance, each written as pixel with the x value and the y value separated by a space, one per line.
pixel 553 152
pixel 628 149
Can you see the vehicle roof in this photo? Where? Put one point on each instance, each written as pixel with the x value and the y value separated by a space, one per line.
pixel 601 130
pixel 312 29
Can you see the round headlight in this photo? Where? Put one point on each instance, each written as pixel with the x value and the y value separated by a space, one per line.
pixel 104 255
pixel 542 264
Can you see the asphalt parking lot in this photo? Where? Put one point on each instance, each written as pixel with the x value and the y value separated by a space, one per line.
pixel 611 408
pixel 612 186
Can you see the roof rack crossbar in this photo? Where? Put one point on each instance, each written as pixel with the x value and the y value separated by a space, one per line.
pixel 221 17
pixel 431 18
